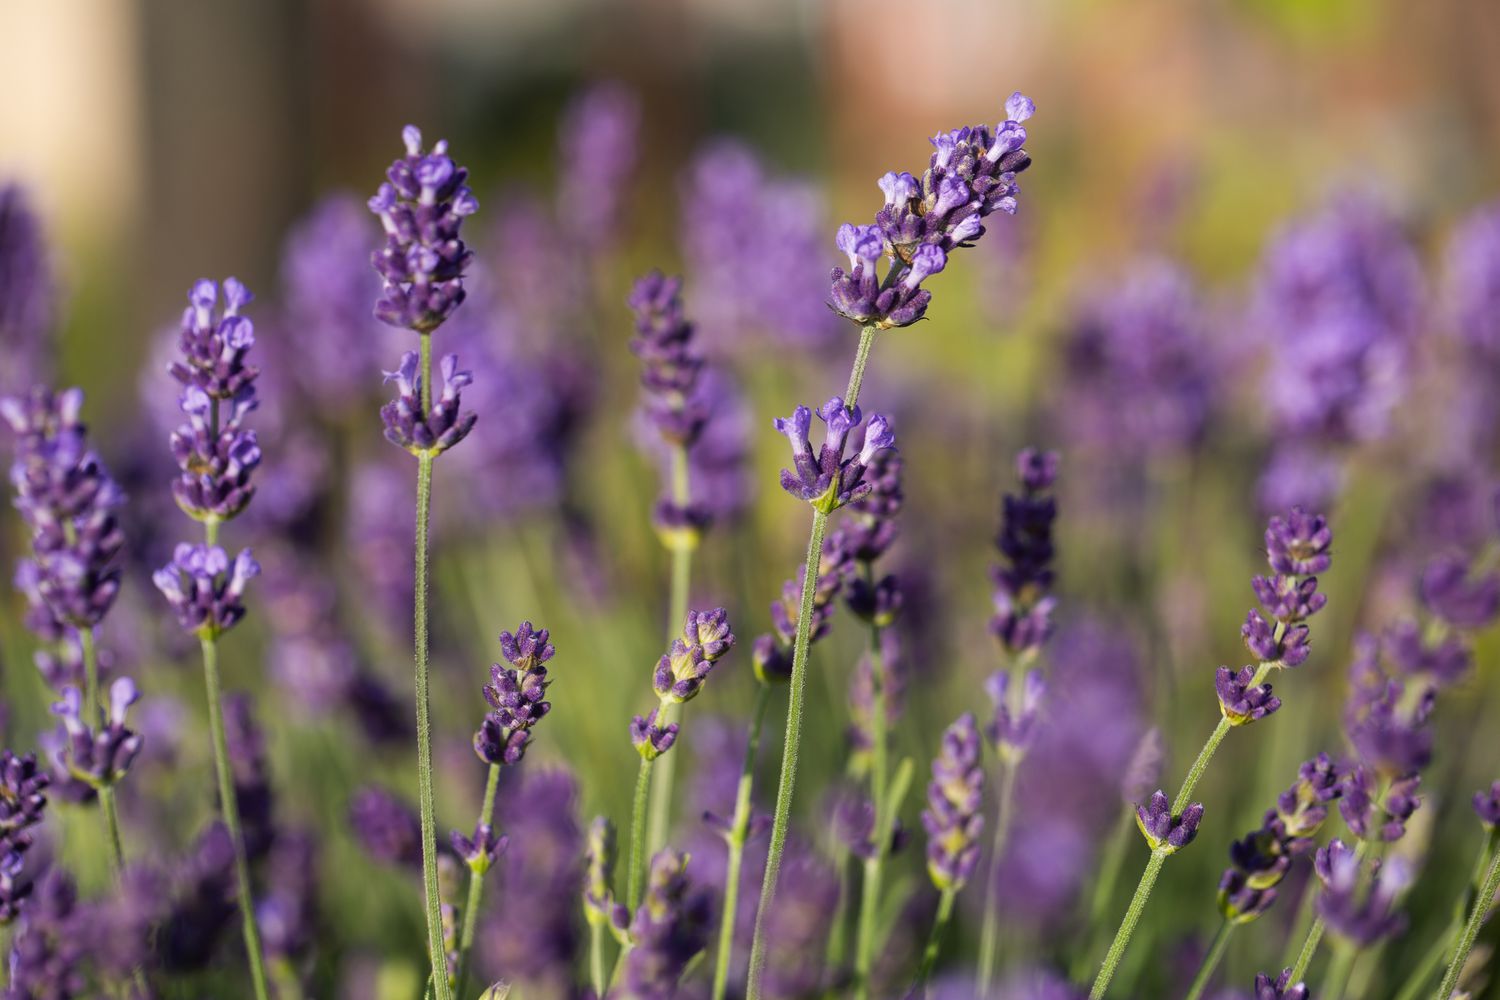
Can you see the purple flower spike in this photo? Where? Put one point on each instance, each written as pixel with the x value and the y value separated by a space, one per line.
pixel 683 669
pixel 1163 831
pixel 27 292
pixel 1463 600
pixel 98 758
pixel 1242 701
pixel 828 480
pixel 1360 914
pixel 516 696
pixel 422 207
pixel 1367 815
pixel 1014 724
pixel 1487 806
pixel 649 739
pixel 479 851
pixel 954 796
pixel 1023 600
pixel 600 907
pixel 213 342
pixel 668 929
pixel 205 590
pixel 22 805
pixel 68 502
pixel 1280 988
pixel 386 827
pixel 598 145
pixel 1297 548
pixel 443 425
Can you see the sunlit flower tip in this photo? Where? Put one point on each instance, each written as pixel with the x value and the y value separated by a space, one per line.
pixel 1280 988
pixel 479 851
pixel 1240 700
pixel 204 589
pixel 710 631
pixel 649 739
pixel 1487 806
pixel 1163 831
pixel 1019 107
pixel 954 798
pixel 444 425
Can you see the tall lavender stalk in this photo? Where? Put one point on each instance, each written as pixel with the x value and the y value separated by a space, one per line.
pixel 1021 624
pixel 954 823
pixel 676 409
pixel 217 455
pixel 1297 549
pixel 971 175
pixel 1487 805
pixel 422 206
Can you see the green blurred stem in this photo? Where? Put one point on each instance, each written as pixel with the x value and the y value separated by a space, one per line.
pixel 596 957
pixel 793 743
pixel 989 935
pixel 1338 973
pixel 869 901
pixel 1153 867
pixel 1477 913
pixel 935 939
pixel 1319 928
pixel 229 806
pixel 432 892
pixel 476 886
pixel 94 706
pixel 738 830
pixel 636 874
pixel 1211 960
pixel 1432 961
pixel 677 608
pixel 1104 887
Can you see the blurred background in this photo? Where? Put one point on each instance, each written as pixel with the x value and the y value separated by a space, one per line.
pixel 1199 170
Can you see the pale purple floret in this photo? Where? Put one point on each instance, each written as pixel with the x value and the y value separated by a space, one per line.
pixel 516 694
pixel 98 756
pixel 598 143
pixel 444 424
pixel 1357 912
pixel 827 479
pixel 205 589
pixel 1164 831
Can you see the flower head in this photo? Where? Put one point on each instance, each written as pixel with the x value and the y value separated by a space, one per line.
pixel 1241 700
pixel 667 930
pixel 1487 806
pixel 444 424
pixel 1023 581
pixel 772 651
pixel 22 804
pixel 1279 988
pixel 98 757
pixel 205 589
pixel 1013 726
pixel 953 819
pixel 516 694
pixel 826 479
pixel 1358 910
pixel 422 206
pixel 682 670
pixel 1163 831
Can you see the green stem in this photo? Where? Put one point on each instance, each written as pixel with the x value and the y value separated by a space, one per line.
pixel 935 939
pixel 989 935
pixel 636 874
pixel 1486 896
pixel 1200 763
pixel 1307 912
pixel 739 827
pixel 1338 973
pixel 1309 949
pixel 94 707
pixel 793 743
pixel 432 893
pixel 476 887
pixel 1211 960
pixel 1432 961
pixel 869 901
pixel 596 957
pixel 1127 925
pixel 229 806
pixel 1104 888
pixel 677 609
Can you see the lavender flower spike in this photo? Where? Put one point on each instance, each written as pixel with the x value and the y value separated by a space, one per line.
pixel 1165 832
pixel 444 425
pixel 668 929
pixel 954 798
pixel 27 293
pixel 515 694
pixel 828 480
pixel 22 804
pixel 680 675
pixel 1023 583
pixel 98 758
pixel 205 589
pixel 422 206
pixel 1280 988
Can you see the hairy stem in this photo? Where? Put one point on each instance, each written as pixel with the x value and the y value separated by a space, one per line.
pixel 677 608
pixel 1477 913
pixel 935 939
pixel 989 935
pixel 738 830
pixel 1443 944
pixel 229 806
pixel 476 886
pixel 1127 925
pixel 793 744
pixel 869 902
pixel 636 873
pixel 1211 960
pixel 432 893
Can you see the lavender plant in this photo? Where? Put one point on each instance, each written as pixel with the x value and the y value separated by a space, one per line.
pixel 954 823
pixel 1297 550
pixel 422 206
pixel 27 295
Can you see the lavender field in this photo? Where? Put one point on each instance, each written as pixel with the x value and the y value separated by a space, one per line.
pixel 718 500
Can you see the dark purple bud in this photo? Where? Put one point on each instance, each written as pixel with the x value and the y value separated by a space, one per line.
pixel 1163 831
pixel 22 805
pixel 1298 544
pixel 649 739
pixel 480 850
pixel 1242 701
pixel 1280 988
pixel 516 695
pixel 205 590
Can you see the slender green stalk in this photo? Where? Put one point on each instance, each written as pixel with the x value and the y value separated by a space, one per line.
pixel 427 807
pixel 1127 925
pixel 1211 960
pixel 1319 928
pixel 93 705
pixel 798 685
pixel 636 873
pixel 869 902
pixel 738 829
pixel 476 887
pixel 989 935
pixel 1307 912
pixel 1482 901
pixel 229 806
pixel 677 608
pixel 1104 888
pixel 1438 951
pixel 596 957
pixel 1338 973
pixel 935 939
pixel 1153 867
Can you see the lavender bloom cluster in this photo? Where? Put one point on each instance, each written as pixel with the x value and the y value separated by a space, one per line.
pixel 680 675
pixel 23 802
pixel 1023 600
pixel 1360 910
pixel 772 651
pixel 1298 548
pixel 26 293
pixel 954 799
pixel 669 928
pixel 971 175
pixel 515 694
pixel 1164 831
pixel 1261 859
pixel 206 590
pixel 1280 988
pixel 422 206
pixel 443 423
pixel 598 146
pixel 826 479
pixel 102 756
